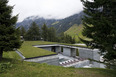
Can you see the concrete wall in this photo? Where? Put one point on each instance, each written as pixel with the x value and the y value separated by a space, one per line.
pixel 20 54
pixel 47 48
pixel 73 52
pixel 89 53
pixel 58 49
pixel 67 51
pixel 85 53
pixel 96 56
pixel 52 60
pixel 92 54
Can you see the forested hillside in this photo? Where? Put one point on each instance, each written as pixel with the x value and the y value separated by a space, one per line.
pixel 75 31
pixel 61 25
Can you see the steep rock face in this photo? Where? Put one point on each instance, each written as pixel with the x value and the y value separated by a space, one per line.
pixel 61 25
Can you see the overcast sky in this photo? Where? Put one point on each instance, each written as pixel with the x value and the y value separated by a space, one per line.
pixel 57 9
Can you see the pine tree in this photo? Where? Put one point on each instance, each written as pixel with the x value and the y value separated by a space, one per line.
pixel 100 26
pixel 51 34
pixel 61 38
pixel 44 32
pixel 64 38
pixel 23 31
pixel 9 35
pixel 73 40
pixel 33 33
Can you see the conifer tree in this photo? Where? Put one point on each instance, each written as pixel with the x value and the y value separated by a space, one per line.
pixel 23 31
pixel 51 34
pixel 9 35
pixel 33 33
pixel 61 37
pixel 100 26
pixel 64 38
pixel 44 32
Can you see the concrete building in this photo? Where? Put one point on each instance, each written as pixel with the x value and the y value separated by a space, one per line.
pixel 91 54
pixel 71 52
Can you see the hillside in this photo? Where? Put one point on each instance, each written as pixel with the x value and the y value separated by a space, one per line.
pixel 61 25
pixel 10 66
pixel 75 31
pixel 26 69
pixel 66 23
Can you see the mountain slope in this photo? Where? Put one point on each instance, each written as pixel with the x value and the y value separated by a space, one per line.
pixel 39 21
pixel 61 25
pixel 75 31
pixel 66 23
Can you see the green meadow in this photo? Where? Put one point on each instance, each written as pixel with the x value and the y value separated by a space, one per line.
pixel 76 31
pixel 12 66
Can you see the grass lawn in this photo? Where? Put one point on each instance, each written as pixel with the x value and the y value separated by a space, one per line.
pixel 27 69
pixel 10 66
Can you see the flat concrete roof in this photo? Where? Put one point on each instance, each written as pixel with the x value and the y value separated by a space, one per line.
pixel 56 45
pixel 67 46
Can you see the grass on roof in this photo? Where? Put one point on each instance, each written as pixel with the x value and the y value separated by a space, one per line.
pixel 29 51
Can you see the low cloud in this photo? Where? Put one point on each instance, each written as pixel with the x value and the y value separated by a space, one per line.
pixel 57 9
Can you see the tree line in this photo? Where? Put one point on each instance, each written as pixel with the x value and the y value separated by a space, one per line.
pixel 44 33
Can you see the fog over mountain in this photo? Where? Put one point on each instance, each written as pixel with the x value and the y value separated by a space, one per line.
pixel 48 9
pixel 61 25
